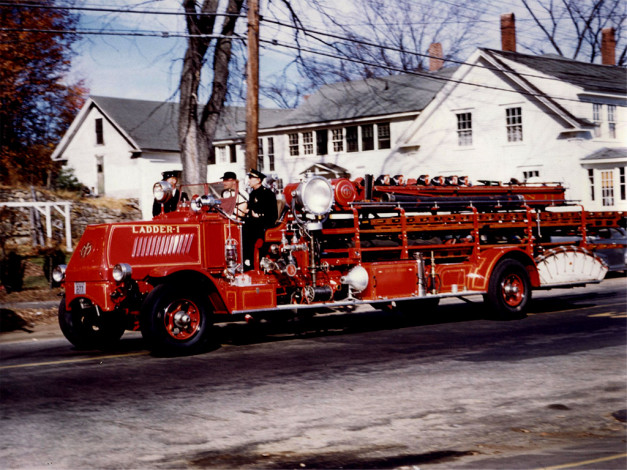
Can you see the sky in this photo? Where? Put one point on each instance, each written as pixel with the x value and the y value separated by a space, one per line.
pixel 149 67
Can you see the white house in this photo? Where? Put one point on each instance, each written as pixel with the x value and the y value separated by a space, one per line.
pixel 119 147
pixel 500 115
pixel 506 115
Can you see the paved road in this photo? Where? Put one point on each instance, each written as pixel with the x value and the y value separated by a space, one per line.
pixel 353 391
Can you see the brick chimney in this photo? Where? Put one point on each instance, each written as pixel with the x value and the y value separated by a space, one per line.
pixel 508 32
pixel 436 57
pixel 608 46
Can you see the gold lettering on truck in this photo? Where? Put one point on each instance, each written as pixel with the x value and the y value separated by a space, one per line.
pixel 156 229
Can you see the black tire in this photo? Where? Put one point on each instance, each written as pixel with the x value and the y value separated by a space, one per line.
pixel 89 328
pixel 509 290
pixel 176 320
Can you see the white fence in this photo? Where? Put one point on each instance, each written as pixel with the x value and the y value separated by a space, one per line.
pixel 45 208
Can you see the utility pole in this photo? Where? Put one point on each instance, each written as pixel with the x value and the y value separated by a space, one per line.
pixel 252 86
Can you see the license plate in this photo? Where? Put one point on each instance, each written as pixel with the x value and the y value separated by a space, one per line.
pixel 79 288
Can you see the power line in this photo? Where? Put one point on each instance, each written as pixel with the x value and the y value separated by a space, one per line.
pixel 394 49
pixel 160 34
pixel 420 74
pixel 116 10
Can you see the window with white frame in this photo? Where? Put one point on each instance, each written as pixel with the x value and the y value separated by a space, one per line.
pixel 352 142
pixel 464 129
pixel 621 183
pixel 611 120
pixel 597 109
pixel 308 146
pixel 322 147
pixel 222 154
pixel 293 144
pixel 513 122
pixel 367 137
pixel 271 153
pixel 233 153
pixel 337 138
pixel 99 131
pixel 383 135
pixel 260 154
pixel 531 174
pixel 607 187
pixel 591 181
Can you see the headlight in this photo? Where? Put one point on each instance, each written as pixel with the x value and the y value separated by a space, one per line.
pixel 315 195
pixel 58 273
pixel 121 272
pixel 162 191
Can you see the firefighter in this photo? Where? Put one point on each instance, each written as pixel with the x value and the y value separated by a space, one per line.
pixel 262 214
pixel 229 180
pixel 172 177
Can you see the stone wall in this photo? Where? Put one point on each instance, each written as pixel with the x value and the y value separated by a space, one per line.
pixel 16 226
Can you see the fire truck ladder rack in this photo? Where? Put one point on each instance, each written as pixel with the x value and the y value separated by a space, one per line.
pixel 375 231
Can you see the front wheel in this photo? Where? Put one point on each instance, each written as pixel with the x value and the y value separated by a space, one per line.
pixel 88 327
pixel 176 320
pixel 509 290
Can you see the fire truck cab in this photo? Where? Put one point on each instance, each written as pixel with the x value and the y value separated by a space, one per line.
pixel 336 244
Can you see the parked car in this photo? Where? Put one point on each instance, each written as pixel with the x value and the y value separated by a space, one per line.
pixel 615 258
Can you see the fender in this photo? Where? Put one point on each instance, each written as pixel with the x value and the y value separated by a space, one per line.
pixel 194 276
pixel 488 259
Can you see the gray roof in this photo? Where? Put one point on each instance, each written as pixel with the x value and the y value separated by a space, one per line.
pixel 607 153
pixel 368 98
pixel 590 77
pixel 153 124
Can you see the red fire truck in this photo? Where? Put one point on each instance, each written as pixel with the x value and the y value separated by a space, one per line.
pixel 337 244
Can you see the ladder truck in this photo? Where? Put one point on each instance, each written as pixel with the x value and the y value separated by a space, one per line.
pixel 337 244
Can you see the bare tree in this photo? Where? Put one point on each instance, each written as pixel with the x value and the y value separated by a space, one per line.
pixel 572 28
pixel 372 38
pixel 197 126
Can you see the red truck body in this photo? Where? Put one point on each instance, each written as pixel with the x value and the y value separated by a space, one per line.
pixel 336 244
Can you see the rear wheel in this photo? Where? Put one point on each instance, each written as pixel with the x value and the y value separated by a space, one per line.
pixel 176 320
pixel 87 327
pixel 509 290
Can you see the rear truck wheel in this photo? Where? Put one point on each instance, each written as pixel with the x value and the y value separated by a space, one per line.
pixel 509 290
pixel 176 320
pixel 87 327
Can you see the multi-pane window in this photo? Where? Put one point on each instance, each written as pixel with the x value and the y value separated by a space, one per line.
pixel 607 187
pixel 513 117
pixel 611 120
pixel 271 153
pixel 621 183
pixel 233 153
pixel 337 138
pixel 531 174
pixel 464 129
pixel 367 137
pixel 260 154
pixel 383 135
pixel 321 142
pixel 221 153
pixel 596 118
pixel 352 143
pixel 308 146
pixel 293 144
pixel 99 132
pixel 591 181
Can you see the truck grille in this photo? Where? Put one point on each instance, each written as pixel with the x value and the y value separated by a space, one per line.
pixel 162 245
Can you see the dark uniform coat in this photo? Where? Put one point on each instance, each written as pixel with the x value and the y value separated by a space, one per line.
pixel 262 214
